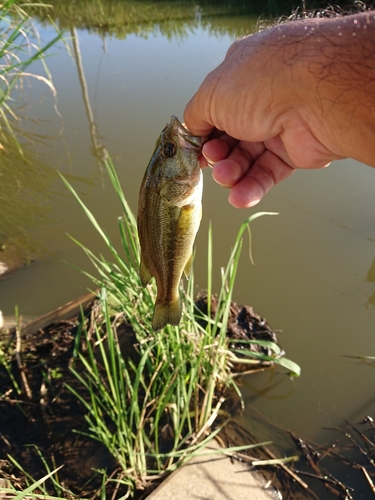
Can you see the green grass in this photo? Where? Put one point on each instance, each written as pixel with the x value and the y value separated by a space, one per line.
pixel 35 490
pixel 159 399
pixel 20 47
pixel 155 406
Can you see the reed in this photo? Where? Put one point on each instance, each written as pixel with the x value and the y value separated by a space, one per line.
pixel 20 47
pixel 158 399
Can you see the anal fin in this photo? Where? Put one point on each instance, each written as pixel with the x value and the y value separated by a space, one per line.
pixel 144 274
pixel 188 266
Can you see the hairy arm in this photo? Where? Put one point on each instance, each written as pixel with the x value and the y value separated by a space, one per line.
pixel 297 95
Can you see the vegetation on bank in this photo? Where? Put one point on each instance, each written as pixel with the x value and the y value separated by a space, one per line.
pixel 179 377
pixel 151 399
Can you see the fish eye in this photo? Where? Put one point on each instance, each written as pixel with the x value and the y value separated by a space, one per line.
pixel 169 149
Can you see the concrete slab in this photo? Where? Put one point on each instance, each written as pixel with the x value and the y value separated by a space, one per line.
pixel 213 477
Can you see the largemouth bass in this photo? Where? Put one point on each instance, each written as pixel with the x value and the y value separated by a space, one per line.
pixel 169 214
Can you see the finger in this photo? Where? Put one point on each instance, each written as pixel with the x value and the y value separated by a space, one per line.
pixel 216 150
pixel 267 171
pixel 227 172
pixel 241 158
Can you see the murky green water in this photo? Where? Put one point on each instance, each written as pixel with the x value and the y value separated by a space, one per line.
pixel 314 277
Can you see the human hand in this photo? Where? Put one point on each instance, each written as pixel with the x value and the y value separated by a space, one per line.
pixel 277 109
pixel 248 169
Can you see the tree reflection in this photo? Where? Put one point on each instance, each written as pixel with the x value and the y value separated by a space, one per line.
pixel 144 18
pixel 121 18
pixel 98 150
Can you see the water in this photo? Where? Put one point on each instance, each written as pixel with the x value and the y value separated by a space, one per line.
pixel 314 273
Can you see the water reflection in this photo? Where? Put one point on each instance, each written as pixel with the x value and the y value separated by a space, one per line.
pixel 273 389
pixel 370 278
pixel 27 180
pixel 24 182
pixel 98 150
pixel 174 20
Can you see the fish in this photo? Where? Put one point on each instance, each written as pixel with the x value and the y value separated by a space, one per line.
pixel 169 215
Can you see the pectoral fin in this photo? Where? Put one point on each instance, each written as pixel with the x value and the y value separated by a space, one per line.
pixel 188 266
pixel 174 192
pixel 144 274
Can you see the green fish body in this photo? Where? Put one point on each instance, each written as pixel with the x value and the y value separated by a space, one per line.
pixel 169 214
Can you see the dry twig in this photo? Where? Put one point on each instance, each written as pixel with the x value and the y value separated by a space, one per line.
pixel 21 367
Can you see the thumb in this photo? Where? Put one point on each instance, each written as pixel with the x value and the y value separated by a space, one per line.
pixel 194 116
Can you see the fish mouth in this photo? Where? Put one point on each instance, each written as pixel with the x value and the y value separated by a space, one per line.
pixel 187 140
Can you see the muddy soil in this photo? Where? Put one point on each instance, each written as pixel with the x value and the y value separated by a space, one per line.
pixel 40 418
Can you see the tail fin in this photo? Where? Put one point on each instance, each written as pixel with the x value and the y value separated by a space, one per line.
pixel 166 313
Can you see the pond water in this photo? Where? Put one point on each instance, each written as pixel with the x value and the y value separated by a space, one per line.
pixel 314 272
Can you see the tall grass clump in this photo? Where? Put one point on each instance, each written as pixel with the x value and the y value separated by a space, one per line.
pixel 20 47
pixel 161 398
